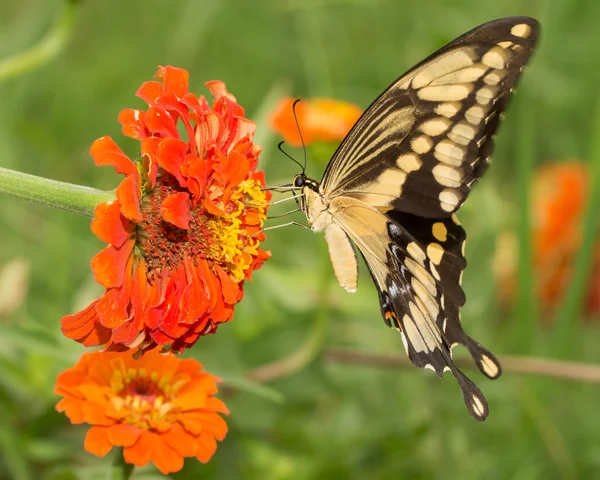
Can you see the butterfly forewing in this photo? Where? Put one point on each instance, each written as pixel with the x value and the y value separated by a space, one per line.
pixel 424 142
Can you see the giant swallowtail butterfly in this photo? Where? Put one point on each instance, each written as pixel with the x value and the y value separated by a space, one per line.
pixel 395 182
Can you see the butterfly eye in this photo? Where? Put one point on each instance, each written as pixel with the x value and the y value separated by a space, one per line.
pixel 298 181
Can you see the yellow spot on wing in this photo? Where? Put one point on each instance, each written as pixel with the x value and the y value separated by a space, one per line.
pixel 443 93
pixel 409 162
pixel 435 126
pixel 449 199
pixel 496 57
pixel 439 231
pixel 422 144
pixel 447 176
pixel 435 252
pixel 521 30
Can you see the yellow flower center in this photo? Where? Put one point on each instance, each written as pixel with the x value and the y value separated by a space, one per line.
pixel 234 246
pixel 141 398
pixel 227 239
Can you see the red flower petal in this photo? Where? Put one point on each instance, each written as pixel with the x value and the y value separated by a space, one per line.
pixel 109 265
pixel 112 308
pixel 149 92
pixel 109 225
pixel 160 122
pixel 149 147
pixel 79 324
pixel 106 152
pixel 170 155
pixel 229 287
pixel 197 173
pixel 98 336
pixel 175 209
pixel 174 79
pixel 133 123
pixel 219 90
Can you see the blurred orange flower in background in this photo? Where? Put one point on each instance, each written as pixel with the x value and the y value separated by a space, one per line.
pixel 559 195
pixel 320 119
pixel 185 229
pixel 160 408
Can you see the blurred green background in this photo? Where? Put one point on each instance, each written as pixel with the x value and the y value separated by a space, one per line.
pixel 324 420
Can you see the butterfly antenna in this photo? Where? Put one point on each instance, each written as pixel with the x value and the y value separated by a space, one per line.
pixel 288 155
pixel 299 131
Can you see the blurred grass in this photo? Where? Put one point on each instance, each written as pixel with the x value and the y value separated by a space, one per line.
pixel 323 421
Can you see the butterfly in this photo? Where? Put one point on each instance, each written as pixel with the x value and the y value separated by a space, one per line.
pixel 394 184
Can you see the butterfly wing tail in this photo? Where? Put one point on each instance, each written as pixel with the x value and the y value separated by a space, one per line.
pixel 474 399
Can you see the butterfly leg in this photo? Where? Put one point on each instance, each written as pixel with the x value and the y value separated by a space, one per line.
pixel 284 214
pixel 284 225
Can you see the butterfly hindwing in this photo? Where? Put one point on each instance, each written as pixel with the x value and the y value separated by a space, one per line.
pixel 423 143
pixel 443 241
pixel 410 292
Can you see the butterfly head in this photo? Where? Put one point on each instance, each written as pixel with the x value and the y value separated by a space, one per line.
pixel 301 181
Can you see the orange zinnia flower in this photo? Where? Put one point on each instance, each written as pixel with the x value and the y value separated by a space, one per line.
pixel 559 195
pixel 159 408
pixel 185 228
pixel 558 200
pixel 320 119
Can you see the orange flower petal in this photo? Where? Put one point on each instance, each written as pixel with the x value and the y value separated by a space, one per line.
pixel 182 442
pixel 128 195
pixel 95 414
pixel 175 209
pixel 140 453
pixel 94 393
pixel 207 446
pixel 123 435
pixel 72 409
pixel 96 441
pixel 166 459
pixel 106 152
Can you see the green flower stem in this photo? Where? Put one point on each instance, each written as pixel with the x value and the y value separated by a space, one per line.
pixel 120 470
pixel 66 196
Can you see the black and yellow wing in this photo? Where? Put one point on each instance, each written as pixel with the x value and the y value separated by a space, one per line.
pixel 416 265
pixel 403 170
pixel 424 142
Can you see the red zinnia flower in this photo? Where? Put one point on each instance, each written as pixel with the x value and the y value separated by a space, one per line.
pixel 159 408
pixel 185 229
pixel 321 119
